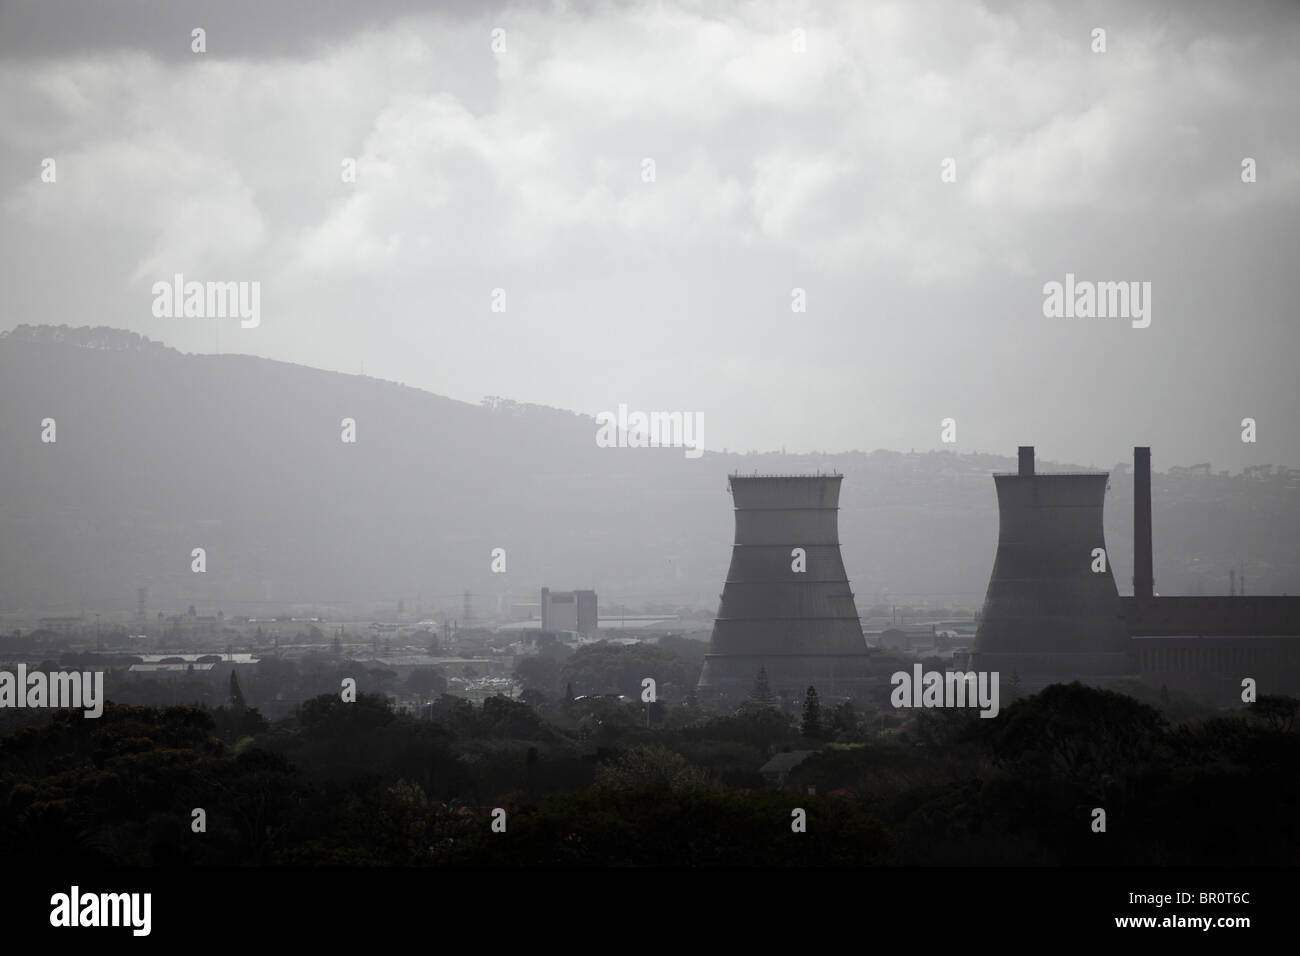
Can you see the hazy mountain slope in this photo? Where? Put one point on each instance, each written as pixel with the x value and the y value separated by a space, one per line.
pixel 160 452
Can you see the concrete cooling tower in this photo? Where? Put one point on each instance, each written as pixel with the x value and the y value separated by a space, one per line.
pixel 1051 613
pixel 786 607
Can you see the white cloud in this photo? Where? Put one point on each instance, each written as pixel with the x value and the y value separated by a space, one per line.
pixel 774 169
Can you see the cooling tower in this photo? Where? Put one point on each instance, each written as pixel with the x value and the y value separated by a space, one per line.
pixel 786 607
pixel 1051 612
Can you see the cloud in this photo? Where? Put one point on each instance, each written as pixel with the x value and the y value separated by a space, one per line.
pixel 774 168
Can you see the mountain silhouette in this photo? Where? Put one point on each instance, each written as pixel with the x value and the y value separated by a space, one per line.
pixel 159 452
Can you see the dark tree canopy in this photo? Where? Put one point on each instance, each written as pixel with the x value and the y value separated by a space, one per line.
pixel 812 715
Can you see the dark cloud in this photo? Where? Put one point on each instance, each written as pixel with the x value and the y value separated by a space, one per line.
pixel 524 171
pixel 235 28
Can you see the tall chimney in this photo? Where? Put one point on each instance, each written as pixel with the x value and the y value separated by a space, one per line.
pixel 1143 574
pixel 1026 460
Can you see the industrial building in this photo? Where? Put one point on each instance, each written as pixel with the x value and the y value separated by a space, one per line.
pixel 786 607
pixel 1205 644
pixel 569 611
pixel 1053 613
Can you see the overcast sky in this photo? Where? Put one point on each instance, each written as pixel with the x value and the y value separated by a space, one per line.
pixel 774 169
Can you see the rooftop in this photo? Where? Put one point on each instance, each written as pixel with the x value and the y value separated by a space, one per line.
pixel 1052 474
pixel 787 761
pixel 820 474
pixel 190 658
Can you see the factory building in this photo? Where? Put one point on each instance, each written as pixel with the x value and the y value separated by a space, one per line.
pixel 569 611
pixel 1052 612
pixel 1205 644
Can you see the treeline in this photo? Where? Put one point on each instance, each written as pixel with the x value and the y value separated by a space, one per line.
pixel 85 336
pixel 602 782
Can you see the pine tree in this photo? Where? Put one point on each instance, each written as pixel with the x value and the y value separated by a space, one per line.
pixel 236 695
pixel 762 690
pixel 1015 689
pixel 812 715
pixel 843 719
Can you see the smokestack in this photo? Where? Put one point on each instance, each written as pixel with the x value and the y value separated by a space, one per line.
pixel 1143 573
pixel 1026 460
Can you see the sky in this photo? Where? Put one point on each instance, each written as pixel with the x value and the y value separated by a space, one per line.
pixel 791 146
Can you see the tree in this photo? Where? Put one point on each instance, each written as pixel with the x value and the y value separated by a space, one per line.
pixel 503 717
pixel 762 690
pixel 327 717
pixel 538 673
pixel 1069 730
pixel 426 681
pixel 1015 688
pixel 236 695
pixel 843 718
pixel 456 714
pixel 237 722
pixel 604 668
pixel 535 699
pixel 1280 712
pixel 812 715
pixel 656 764
pixel 659 825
